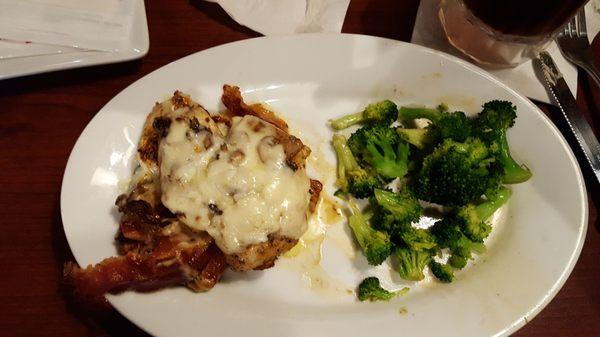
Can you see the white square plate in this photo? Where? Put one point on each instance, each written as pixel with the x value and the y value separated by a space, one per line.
pixel 60 58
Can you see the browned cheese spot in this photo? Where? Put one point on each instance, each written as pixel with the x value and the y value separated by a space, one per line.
pixel 237 157
pixel 195 125
pixel 161 125
pixel 258 126
pixel 208 141
pixel 215 209
pixel 179 101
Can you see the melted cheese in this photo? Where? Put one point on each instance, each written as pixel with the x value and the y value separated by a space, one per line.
pixel 239 189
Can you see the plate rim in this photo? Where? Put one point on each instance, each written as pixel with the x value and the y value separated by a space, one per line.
pixel 582 189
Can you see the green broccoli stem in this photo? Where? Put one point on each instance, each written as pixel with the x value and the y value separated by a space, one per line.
pixel 386 199
pixel 408 113
pixel 347 121
pixel 513 172
pixel 358 223
pixel 343 153
pixel 354 209
pixel 495 201
pixel 342 180
pixel 417 137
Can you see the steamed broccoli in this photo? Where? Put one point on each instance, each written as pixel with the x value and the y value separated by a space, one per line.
pixel 456 260
pixel 350 176
pixel 464 230
pixel 491 125
pixel 419 138
pixel 375 245
pixel 392 210
pixel 381 148
pixel 472 218
pixel 442 272
pixel 444 125
pixel 417 238
pixel 457 173
pixel 411 113
pixel 411 263
pixel 370 289
pixel 448 235
pixel 384 112
pixel 461 163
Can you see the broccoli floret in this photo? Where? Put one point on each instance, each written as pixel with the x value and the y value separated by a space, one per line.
pixel 452 125
pixel 411 113
pixel 457 261
pixel 472 218
pixel 417 238
pixel 393 210
pixel 394 213
pixel 370 289
pixel 491 125
pixel 442 272
pixel 381 148
pixel 411 263
pixel 376 245
pixel 444 125
pixel 419 138
pixel 350 176
pixel 448 235
pixel 384 112
pixel 461 255
pixel 455 174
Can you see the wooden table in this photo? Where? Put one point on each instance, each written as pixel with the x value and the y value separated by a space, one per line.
pixel 42 116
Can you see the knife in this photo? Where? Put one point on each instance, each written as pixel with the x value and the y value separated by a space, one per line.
pixel 561 94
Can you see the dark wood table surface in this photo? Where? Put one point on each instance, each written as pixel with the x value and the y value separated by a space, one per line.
pixel 41 117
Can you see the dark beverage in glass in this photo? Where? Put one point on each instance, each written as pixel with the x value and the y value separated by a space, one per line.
pixel 504 33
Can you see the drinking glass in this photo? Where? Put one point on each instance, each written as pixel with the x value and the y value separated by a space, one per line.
pixel 504 33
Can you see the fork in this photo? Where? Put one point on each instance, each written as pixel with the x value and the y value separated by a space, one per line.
pixel 575 46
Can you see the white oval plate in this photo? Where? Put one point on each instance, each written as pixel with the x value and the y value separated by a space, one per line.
pixel 310 79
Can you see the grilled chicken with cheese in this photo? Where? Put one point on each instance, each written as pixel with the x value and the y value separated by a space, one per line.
pixel 209 192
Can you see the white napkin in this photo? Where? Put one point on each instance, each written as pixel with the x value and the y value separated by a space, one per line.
pixel 282 17
pixel 91 25
pixel 428 32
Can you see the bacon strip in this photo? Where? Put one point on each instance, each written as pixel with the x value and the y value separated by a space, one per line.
pixel 157 251
pixel 296 152
pixel 115 274
pixel 198 266
pixel 233 101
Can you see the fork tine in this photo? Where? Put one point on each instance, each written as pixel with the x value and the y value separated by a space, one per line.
pixel 580 20
pixel 565 30
pixel 571 28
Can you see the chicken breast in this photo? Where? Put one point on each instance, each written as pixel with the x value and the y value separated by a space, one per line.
pixel 249 190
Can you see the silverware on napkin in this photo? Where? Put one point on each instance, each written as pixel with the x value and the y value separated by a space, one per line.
pixel 560 93
pixel 575 45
